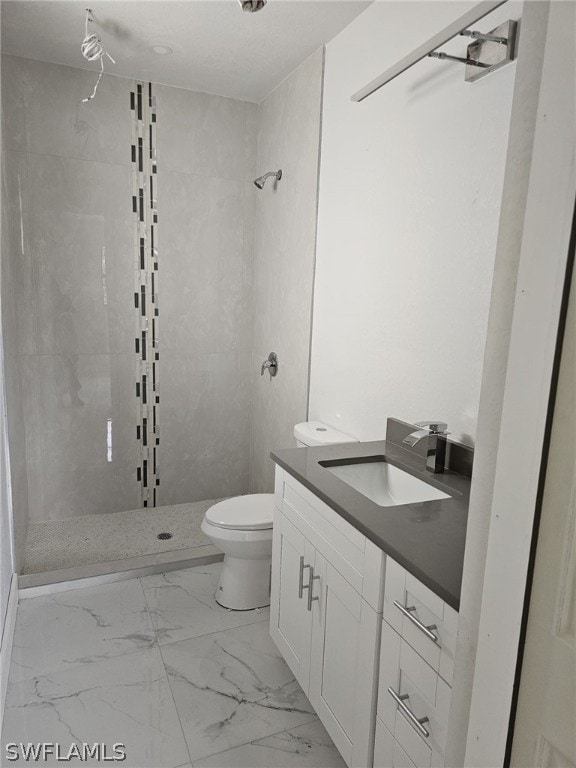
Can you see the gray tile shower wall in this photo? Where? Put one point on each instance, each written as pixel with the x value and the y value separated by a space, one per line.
pixel 206 161
pixel 75 317
pixel 284 256
pixel 70 329
pixel 14 279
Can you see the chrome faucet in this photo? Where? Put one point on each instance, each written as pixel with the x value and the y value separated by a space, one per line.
pixel 270 365
pixel 436 433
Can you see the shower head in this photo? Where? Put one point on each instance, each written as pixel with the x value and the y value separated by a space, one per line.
pixel 261 180
pixel 252 5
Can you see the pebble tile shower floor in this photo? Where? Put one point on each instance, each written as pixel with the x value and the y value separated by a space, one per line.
pixel 114 536
pixel 156 664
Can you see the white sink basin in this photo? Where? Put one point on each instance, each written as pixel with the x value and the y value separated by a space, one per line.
pixel 385 484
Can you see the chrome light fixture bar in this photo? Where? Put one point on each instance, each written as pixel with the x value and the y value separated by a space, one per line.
pixel 486 52
pixel 452 30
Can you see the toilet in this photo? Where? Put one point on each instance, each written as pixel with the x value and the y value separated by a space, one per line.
pixel 313 433
pixel 242 528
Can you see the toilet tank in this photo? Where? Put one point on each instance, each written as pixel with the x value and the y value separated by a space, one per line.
pixel 309 433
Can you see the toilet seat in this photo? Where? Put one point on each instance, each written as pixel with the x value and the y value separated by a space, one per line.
pixel 253 512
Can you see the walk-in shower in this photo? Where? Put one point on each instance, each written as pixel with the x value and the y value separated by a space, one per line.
pixel 136 302
pixel 136 319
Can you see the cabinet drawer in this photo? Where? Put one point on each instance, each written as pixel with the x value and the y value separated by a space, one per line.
pixel 402 590
pixel 423 693
pixel 387 752
pixel 322 517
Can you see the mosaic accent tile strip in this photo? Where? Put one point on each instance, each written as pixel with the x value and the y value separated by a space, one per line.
pixel 144 186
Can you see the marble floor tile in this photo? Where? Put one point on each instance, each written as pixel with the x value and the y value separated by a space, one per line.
pixel 122 700
pixel 182 604
pixel 60 631
pixel 308 746
pixel 232 688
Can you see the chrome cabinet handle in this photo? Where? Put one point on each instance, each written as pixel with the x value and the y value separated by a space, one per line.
pixel 417 722
pixel 407 611
pixel 301 586
pixel 311 588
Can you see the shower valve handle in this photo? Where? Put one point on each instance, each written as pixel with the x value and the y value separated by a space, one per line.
pixel 271 364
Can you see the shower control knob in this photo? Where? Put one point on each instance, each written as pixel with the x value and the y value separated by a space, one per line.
pixel 271 364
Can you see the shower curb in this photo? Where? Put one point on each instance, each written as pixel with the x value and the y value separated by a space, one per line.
pixel 80 577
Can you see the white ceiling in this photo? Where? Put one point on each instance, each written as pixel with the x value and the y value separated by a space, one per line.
pixel 217 48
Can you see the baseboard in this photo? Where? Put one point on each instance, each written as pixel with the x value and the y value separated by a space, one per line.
pixel 6 643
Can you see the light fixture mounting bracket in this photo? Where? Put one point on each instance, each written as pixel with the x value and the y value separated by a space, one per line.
pixel 490 50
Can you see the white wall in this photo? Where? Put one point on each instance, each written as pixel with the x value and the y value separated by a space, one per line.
pixel 525 112
pixel 545 243
pixel 410 193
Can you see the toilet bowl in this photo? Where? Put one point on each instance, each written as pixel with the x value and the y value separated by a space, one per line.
pixel 242 528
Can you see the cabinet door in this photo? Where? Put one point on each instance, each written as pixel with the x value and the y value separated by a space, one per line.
pixel 290 620
pixel 343 663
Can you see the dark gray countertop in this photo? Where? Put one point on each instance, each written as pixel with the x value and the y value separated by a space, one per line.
pixel 426 538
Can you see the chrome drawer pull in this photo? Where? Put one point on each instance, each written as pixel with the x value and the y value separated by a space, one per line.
pixel 407 611
pixel 417 722
pixel 311 588
pixel 301 586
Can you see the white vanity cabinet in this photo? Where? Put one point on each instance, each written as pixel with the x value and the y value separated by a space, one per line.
pixel 371 646
pixel 416 669
pixel 326 613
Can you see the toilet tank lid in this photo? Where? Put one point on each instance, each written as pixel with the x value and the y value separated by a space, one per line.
pixel 244 513
pixel 316 433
